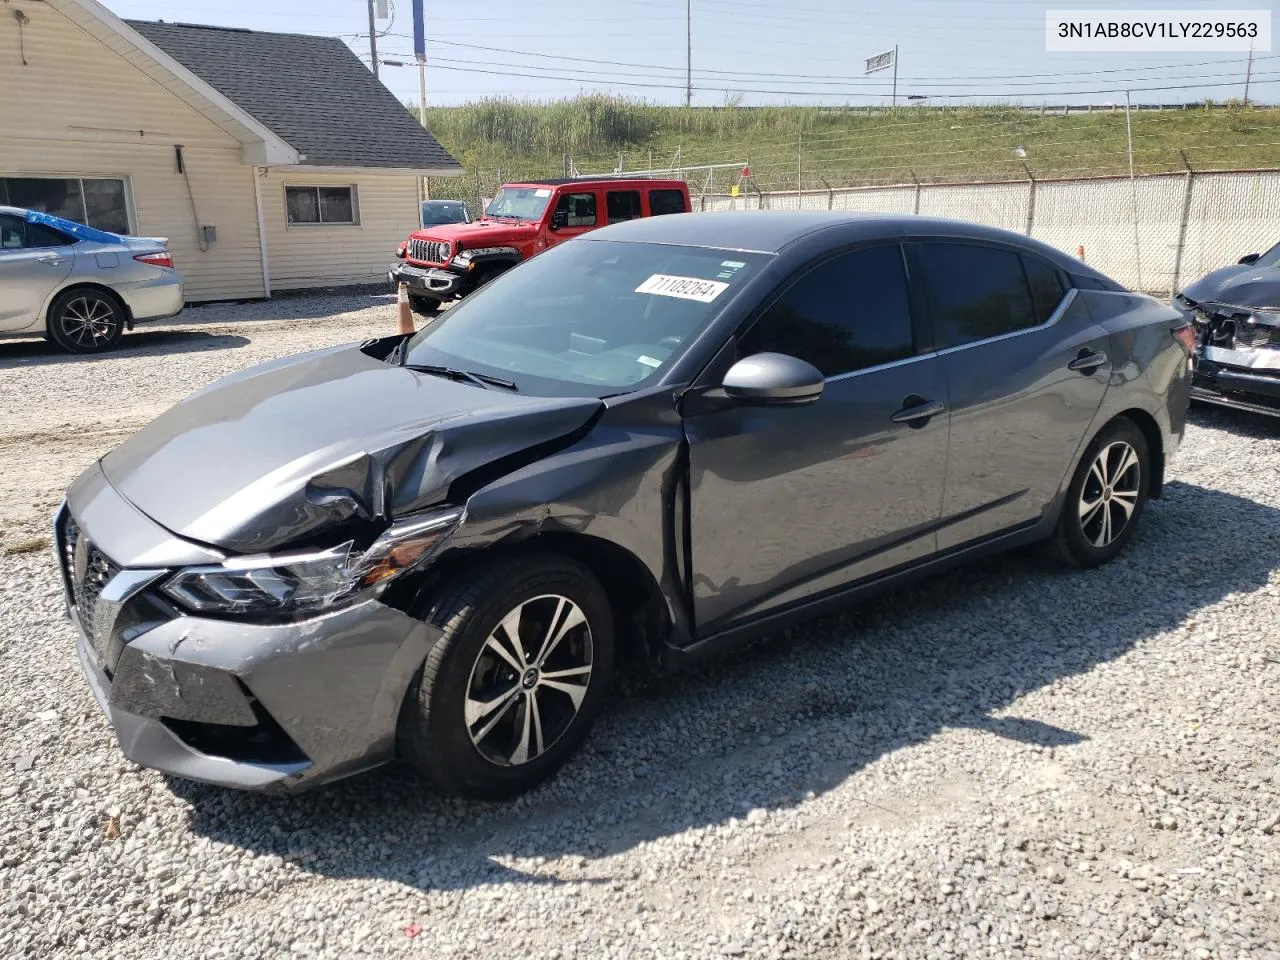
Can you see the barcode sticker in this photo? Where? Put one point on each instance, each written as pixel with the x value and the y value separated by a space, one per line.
pixel 684 288
pixel 649 361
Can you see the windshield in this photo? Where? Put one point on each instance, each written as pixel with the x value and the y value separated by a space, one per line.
pixel 1270 259
pixel 588 318
pixel 520 203
pixel 434 214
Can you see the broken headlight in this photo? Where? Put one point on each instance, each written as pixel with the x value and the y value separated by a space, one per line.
pixel 299 583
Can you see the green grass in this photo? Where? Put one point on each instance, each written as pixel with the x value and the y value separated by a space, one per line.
pixel 842 147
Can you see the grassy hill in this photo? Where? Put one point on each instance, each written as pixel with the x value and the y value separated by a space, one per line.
pixel 844 146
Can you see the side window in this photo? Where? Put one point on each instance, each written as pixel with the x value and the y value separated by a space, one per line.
pixel 11 232
pixel 622 205
pixel 580 209
pixel 666 201
pixel 38 235
pixel 846 314
pixel 1046 287
pixel 975 292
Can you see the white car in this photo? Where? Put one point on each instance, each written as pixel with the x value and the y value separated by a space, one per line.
pixel 77 286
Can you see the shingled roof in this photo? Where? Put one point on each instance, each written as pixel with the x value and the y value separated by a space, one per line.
pixel 312 92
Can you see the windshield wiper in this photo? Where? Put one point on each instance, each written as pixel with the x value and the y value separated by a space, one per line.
pixel 466 376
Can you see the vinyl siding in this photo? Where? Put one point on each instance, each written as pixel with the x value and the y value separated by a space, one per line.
pixel 314 255
pixel 79 109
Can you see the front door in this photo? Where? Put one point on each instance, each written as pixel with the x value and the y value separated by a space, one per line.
pixel 34 259
pixel 1026 369
pixel 790 502
pixel 574 214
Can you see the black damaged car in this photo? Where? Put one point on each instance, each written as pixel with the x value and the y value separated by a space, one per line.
pixel 1236 312
pixel 653 441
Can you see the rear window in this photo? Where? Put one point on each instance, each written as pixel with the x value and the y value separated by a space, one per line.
pixel 666 201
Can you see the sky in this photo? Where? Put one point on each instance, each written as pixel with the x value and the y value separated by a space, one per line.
pixel 807 51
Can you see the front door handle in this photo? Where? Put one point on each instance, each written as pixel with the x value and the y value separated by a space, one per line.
pixel 50 258
pixel 916 411
pixel 1087 361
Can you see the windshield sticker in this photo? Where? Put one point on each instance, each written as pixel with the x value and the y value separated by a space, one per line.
pixel 542 193
pixel 684 288
pixel 649 361
pixel 732 264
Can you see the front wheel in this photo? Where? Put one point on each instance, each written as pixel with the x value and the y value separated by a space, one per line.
pixel 509 691
pixel 85 321
pixel 1106 496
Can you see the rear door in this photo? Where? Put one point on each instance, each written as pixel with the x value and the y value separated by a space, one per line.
pixel 34 260
pixel 1026 370
pixel 789 502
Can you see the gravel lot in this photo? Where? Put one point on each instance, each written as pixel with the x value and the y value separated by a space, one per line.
pixel 1013 760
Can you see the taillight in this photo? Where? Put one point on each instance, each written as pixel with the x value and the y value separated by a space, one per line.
pixel 1186 337
pixel 156 259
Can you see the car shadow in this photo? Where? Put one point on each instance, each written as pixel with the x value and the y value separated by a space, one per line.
pixel 23 352
pixel 842 691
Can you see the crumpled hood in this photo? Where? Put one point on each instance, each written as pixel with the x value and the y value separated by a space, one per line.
pixel 1241 285
pixel 281 450
pixel 478 233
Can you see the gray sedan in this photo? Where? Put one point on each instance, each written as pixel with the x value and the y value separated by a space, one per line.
pixel 77 286
pixel 654 441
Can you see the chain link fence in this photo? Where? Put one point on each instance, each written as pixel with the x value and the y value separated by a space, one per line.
pixel 1154 233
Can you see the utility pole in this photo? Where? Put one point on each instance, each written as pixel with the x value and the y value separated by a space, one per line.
pixel 1248 69
pixel 373 42
pixel 894 101
pixel 688 53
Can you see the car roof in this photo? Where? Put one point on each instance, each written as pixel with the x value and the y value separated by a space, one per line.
pixel 16 211
pixel 448 203
pixel 660 183
pixel 771 231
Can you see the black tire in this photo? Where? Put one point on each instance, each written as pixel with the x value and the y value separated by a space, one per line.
pixel 1080 539
pixel 85 321
pixel 424 306
pixel 435 735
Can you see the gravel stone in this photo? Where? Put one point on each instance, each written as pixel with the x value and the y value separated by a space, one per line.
pixel 1010 760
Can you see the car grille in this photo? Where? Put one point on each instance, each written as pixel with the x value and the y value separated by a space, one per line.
pixel 1252 336
pixel 85 588
pixel 429 251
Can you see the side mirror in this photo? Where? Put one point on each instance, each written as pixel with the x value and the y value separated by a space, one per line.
pixel 560 218
pixel 773 379
pixel 1249 258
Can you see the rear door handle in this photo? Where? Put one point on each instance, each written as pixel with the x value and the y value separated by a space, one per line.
pixel 1086 361
pixel 917 413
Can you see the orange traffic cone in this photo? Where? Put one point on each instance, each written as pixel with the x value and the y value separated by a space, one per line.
pixel 404 316
pixel 1080 251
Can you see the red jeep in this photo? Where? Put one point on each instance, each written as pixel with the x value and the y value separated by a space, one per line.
pixel 449 261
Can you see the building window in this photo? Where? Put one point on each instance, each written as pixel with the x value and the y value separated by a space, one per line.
pixel 320 204
pixel 100 202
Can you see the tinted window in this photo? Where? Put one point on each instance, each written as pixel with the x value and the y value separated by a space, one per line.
pixel 847 314
pixel 1046 287
pixel 38 235
pixel 622 205
pixel 666 201
pixel 975 292
pixel 11 232
pixel 580 209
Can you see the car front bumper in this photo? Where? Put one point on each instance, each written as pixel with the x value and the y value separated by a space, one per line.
pixel 258 706
pixel 427 281
pixel 1243 379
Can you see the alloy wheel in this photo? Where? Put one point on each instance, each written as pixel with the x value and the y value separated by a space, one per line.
pixel 1110 493
pixel 88 321
pixel 529 680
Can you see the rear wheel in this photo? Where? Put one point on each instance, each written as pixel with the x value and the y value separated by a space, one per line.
pixel 85 321
pixel 424 306
pixel 1106 496
pixel 510 689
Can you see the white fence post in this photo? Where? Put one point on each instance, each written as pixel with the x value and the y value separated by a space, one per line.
pixel 1183 221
